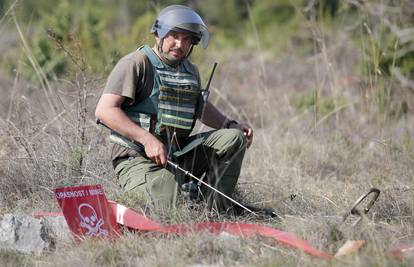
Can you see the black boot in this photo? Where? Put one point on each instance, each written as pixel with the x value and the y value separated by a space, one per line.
pixel 192 189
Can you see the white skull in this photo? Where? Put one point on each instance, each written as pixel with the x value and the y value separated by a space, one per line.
pixel 87 214
pixel 90 220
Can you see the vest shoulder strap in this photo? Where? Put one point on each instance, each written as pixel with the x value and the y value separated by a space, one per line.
pixel 153 58
pixel 157 63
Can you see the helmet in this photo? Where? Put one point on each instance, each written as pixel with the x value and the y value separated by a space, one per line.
pixel 182 19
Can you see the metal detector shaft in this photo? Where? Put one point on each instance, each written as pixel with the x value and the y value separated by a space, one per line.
pixel 188 173
pixel 175 166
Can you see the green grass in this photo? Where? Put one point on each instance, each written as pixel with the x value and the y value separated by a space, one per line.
pixel 315 151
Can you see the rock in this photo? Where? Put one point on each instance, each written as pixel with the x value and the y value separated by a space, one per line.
pixel 58 228
pixel 25 234
pixel 350 247
pixel 227 236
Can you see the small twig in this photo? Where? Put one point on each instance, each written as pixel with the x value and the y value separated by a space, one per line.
pixel 330 201
pixel 75 59
pixel 8 11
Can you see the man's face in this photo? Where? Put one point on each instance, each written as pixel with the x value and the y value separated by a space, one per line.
pixel 176 44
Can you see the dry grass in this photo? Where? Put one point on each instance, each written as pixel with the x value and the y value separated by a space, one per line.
pixel 309 163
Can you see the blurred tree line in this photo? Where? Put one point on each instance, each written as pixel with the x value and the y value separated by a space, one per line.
pixel 101 31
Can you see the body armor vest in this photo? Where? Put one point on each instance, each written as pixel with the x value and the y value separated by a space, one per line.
pixel 171 109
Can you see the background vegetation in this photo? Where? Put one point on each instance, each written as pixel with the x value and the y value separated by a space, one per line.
pixel 327 84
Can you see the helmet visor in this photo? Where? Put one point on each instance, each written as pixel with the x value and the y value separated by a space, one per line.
pixel 185 19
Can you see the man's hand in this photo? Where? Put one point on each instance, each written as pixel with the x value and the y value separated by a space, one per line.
pixel 154 149
pixel 247 131
pixel 215 119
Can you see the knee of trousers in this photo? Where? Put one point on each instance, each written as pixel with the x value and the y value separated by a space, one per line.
pixel 163 188
pixel 154 185
pixel 235 141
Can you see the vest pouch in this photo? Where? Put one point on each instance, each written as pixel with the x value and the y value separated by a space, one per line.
pixel 177 109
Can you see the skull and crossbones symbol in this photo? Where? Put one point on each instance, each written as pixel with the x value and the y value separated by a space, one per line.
pixel 90 221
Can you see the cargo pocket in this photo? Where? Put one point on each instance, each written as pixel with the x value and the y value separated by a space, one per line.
pixel 134 183
pixel 162 187
pixel 131 176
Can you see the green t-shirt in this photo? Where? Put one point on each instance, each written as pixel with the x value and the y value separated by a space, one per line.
pixel 132 78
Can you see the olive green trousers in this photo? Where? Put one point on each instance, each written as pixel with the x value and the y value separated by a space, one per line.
pixel 219 157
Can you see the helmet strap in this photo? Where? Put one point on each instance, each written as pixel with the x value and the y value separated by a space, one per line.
pixel 190 51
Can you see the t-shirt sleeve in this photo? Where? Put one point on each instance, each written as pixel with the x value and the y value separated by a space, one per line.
pixel 131 77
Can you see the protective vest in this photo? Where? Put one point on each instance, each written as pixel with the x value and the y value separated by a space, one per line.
pixel 171 109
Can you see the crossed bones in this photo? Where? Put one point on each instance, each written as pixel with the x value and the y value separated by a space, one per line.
pixel 92 230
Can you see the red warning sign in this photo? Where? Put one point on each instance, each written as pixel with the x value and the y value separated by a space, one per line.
pixel 87 212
